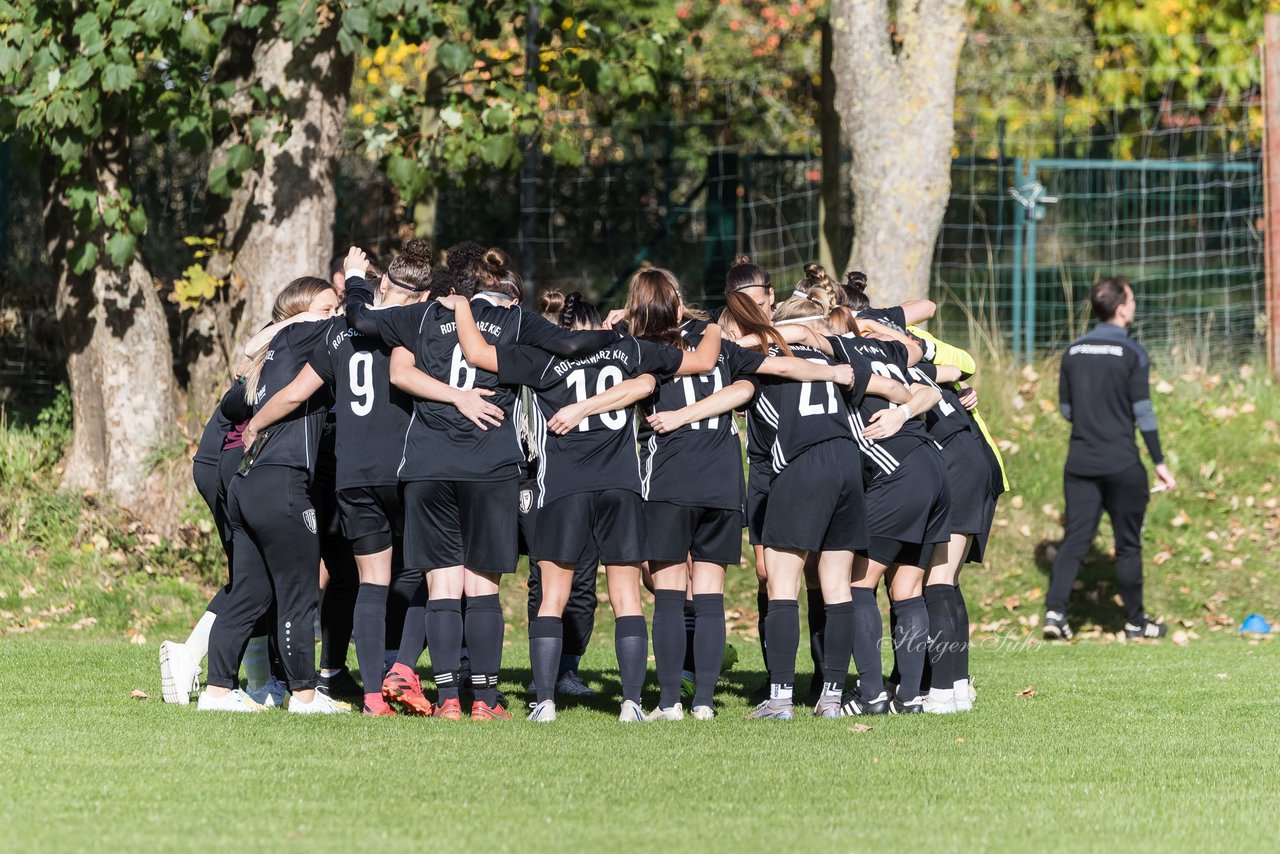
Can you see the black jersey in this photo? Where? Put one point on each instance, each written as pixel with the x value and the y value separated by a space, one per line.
pixel 441 443
pixel 295 440
pixel 601 453
pixel 215 432
pixel 787 418
pixel 949 416
pixel 372 415
pixel 699 465
pixel 888 359
pixel 892 316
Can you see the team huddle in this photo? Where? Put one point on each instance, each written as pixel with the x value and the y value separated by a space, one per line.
pixel 402 437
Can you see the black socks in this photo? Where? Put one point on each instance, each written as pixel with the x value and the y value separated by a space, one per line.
pixel 868 629
pixel 910 642
pixel 483 629
pixel 631 645
pixel 413 637
pixel 444 637
pixel 762 609
pixel 837 646
pixel 962 627
pixel 708 644
pixel 817 625
pixel 546 640
pixel 942 636
pixel 783 627
pixel 669 644
pixel 370 634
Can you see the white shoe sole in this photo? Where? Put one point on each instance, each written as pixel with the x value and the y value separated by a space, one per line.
pixel 702 713
pixel 172 688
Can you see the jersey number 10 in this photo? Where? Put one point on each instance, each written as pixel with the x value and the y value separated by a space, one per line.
pixel 609 376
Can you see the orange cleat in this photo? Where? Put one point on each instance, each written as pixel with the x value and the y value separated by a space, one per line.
pixel 481 711
pixel 402 686
pixel 450 710
pixel 380 710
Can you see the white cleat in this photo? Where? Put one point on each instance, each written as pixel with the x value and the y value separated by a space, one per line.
pixel 631 713
pixel 964 695
pixel 702 713
pixel 272 695
pixel 543 713
pixel 233 701
pixel 675 713
pixel 940 701
pixel 179 673
pixel 321 704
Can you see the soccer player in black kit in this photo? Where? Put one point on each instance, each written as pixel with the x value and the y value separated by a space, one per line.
pixel 588 485
pixel 1103 391
pixel 276 551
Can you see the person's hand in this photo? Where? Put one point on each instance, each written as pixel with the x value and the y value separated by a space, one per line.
pixel 451 301
pixel 568 418
pixel 968 397
pixel 356 260
pixel 480 412
pixel 1166 481
pixel 843 375
pixel 614 317
pixel 248 436
pixel 886 423
pixel 667 422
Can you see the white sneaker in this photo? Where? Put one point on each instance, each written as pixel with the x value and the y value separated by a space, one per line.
pixel 544 712
pixel 321 704
pixel 675 713
pixel 272 695
pixel 179 673
pixel 940 701
pixel 234 701
pixel 702 713
pixel 631 713
pixel 964 695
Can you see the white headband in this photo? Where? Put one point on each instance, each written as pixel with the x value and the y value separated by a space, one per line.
pixel 801 319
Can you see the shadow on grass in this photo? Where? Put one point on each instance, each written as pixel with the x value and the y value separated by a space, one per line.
pixel 1093 596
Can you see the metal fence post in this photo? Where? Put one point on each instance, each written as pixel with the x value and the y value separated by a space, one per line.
pixel 1019 214
pixel 1029 256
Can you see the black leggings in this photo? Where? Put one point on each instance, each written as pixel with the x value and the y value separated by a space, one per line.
pixel 277 553
pixel 1124 496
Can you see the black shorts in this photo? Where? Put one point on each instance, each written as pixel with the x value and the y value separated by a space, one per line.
pixel 372 517
pixel 759 477
pixel 461 522
pixel 969 480
pixel 611 519
pixel 707 534
pixel 816 503
pixel 587 561
pixel 908 510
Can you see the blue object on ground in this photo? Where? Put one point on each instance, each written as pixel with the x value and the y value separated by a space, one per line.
pixel 1256 624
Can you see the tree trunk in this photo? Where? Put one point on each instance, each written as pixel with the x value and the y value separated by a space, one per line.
pixel 278 224
pixel 896 97
pixel 119 359
pixel 833 248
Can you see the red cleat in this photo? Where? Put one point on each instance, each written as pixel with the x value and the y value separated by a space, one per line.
pixel 481 711
pixel 402 686
pixel 450 710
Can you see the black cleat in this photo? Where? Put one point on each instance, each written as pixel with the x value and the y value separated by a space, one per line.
pixel 1056 627
pixel 341 686
pixel 1150 629
pixel 910 707
pixel 855 705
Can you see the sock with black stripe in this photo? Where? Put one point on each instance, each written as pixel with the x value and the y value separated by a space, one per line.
pixel 483 628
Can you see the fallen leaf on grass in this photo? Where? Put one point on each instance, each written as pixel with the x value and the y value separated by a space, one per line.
pixel 1180 638
pixel 1224 675
pixel 138 694
pixel 1029 691
pixel 959 741
pixel 859 728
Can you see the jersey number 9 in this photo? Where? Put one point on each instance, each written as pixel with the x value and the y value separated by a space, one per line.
pixel 361 375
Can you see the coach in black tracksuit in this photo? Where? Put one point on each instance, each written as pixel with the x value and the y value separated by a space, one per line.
pixel 1103 392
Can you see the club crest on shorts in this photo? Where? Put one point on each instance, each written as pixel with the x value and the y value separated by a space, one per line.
pixel 309 518
pixel 526 500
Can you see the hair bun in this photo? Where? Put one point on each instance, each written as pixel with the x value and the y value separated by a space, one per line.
pixel 497 259
pixel 857 280
pixel 418 250
pixel 814 270
pixel 740 260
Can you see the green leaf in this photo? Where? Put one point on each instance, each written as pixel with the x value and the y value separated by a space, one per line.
pixel 497 117
pixel 240 158
pixel 566 153
pixel 195 35
pixel 138 221
pixel 251 17
pixel 455 58
pixel 498 150
pixel 356 20
pixel 83 256
pixel 117 78
pixel 220 181
pixel 120 248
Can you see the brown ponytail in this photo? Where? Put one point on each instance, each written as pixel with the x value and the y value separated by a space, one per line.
pixel 743 311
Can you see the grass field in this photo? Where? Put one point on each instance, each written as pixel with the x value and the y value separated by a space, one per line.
pixel 1140 746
